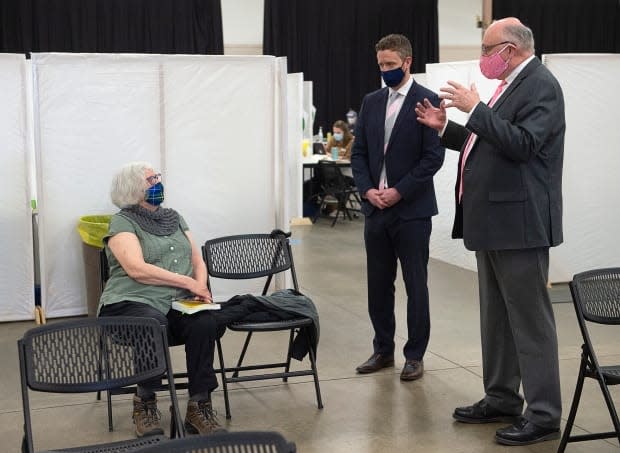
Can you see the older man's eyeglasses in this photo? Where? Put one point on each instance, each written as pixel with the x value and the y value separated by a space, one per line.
pixel 486 49
pixel 154 179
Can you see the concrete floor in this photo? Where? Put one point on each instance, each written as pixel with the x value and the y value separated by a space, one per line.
pixel 363 413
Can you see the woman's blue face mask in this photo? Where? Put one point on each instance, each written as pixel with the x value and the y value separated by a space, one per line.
pixel 338 136
pixel 155 194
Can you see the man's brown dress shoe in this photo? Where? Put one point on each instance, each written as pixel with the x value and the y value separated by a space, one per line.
pixel 481 412
pixel 375 363
pixel 413 369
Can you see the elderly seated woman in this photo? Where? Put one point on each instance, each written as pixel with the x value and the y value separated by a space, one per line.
pixel 153 261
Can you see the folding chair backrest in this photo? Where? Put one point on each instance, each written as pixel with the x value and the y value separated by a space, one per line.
pixel 233 442
pixel 104 269
pixel 597 295
pixel 93 354
pixel 330 176
pixel 249 256
pixel 90 355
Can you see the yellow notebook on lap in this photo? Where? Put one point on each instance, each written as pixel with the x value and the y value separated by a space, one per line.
pixel 189 307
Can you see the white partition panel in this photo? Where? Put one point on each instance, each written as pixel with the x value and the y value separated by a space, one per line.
pixel 16 266
pixel 420 78
pixel 295 97
pixel 208 122
pixel 92 113
pixel 280 148
pixel 591 163
pixel 282 160
pixel 220 147
pixel 308 115
pixel 442 246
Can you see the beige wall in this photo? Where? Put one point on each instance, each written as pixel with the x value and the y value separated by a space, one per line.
pixel 243 49
pixel 458 53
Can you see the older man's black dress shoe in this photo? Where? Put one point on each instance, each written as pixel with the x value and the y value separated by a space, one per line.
pixel 525 432
pixel 375 363
pixel 481 412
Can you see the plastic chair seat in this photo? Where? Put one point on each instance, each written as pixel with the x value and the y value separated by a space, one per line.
pixel 610 373
pixel 270 326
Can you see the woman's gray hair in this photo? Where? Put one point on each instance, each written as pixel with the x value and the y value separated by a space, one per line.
pixel 521 35
pixel 129 184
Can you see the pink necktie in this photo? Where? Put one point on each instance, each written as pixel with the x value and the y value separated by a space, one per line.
pixel 472 138
pixel 394 102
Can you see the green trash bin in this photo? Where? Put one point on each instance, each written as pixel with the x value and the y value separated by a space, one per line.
pixel 92 229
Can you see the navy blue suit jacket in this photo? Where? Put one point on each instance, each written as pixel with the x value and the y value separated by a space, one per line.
pixel 412 158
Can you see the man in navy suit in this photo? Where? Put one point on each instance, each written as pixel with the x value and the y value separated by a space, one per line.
pixel 394 159
pixel 509 211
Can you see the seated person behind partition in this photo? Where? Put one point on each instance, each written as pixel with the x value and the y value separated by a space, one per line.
pixel 351 120
pixel 153 260
pixel 342 139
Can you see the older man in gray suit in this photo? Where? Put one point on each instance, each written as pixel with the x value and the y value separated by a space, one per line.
pixel 509 211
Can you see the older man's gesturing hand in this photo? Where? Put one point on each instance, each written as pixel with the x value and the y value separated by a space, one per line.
pixel 431 116
pixel 459 96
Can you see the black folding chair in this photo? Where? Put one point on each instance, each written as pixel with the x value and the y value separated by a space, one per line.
pixel 234 442
pixel 91 355
pixel 253 256
pixel 180 378
pixel 335 189
pixel 596 297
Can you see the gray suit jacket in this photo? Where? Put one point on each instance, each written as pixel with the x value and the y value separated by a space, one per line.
pixel 512 183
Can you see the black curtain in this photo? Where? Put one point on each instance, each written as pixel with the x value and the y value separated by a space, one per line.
pixel 138 26
pixel 563 26
pixel 333 43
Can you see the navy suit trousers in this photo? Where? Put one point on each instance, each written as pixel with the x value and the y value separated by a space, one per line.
pixel 390 239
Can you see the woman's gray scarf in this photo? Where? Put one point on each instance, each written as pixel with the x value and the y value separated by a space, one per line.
pixel 161 222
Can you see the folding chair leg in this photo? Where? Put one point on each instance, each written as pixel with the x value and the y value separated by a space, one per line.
pixel 336 217
pixel 316 214
pixel 109 398
pixel 173 426
pixel 575 404
pixel 243 351
pixel 224 381
pixel 319 400
pixel 289 353
pixel 345 210
pixel 25 447
pixel 610 406
pixel 174 432
pixel 322 205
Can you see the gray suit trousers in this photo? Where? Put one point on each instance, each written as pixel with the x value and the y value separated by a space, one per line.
pixel 519 342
